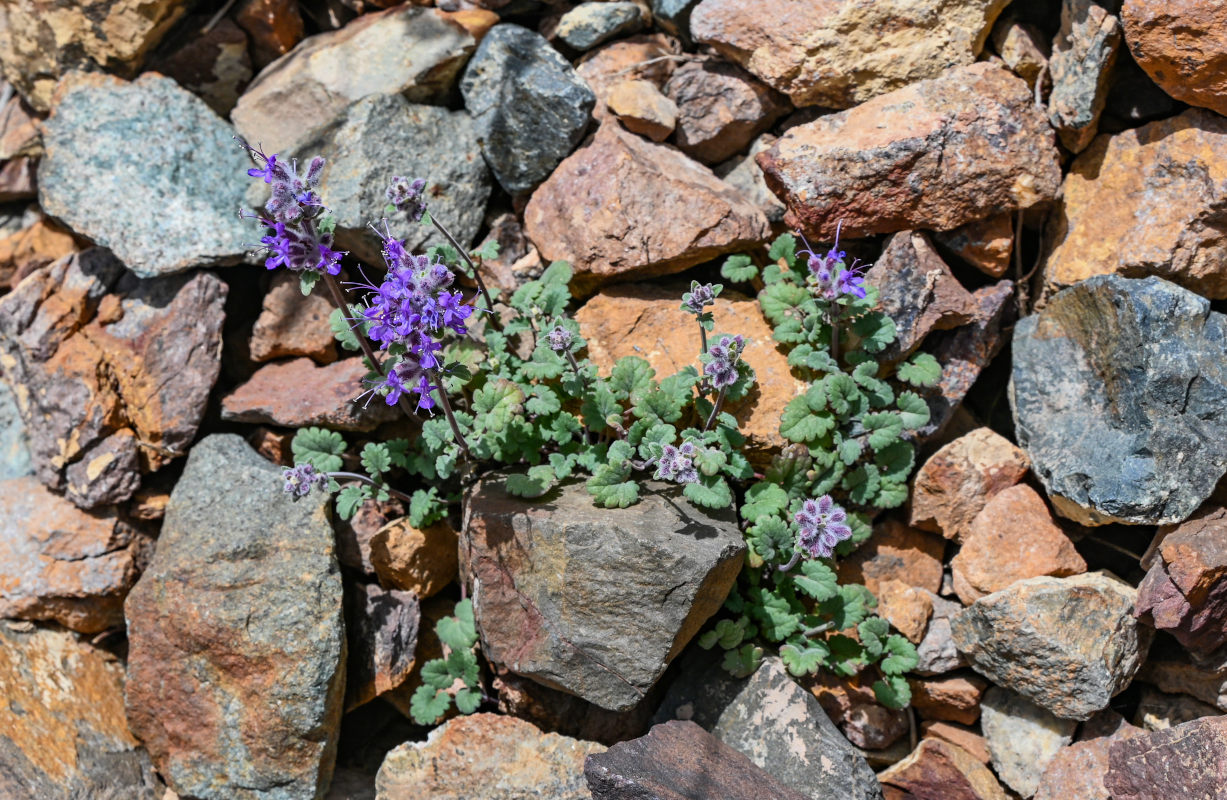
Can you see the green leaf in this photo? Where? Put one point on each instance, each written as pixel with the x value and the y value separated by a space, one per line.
pixel 785 247
pixel 849 451
pixel 877 391
pixel 843 396
pixel 426 508
pixel 376 459
pixel 891 494
pixel 862 484
pixel 921 369
pixel 775 614
pixel 563 427
pixel 884 428
pixel 544 364
pixel 902 656
pixel 873 633
pixel 345 331
pixel 488 251
pixel 710 460
pixel 463 664
pixel 630 376
pixel 307 280
pixel 599 405
pixel 610 488
pixel 499 401
pixel 744 661
pixel 783 300
pixel 710 492
pixel 539 480
pixel 739 268
pixel 848 607
pixel 875 330
pixel 789 469
pixel 762 499
pixel 913 410
pixel 847 655
pixel 727 633
pixel 326 224
pixel 543 401
pixel 468 700
pixel 428 704
pixel 350 498
pixel 318 447
pixel 799 424
pixel 771 539
pixel 817 580
pixel 894 461
pixel 459 631
pixel 436 673
pixel 804 660
pixel 893 692
pixel 805 355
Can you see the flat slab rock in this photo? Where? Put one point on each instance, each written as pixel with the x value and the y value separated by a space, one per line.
pixel 1119 393
pixel 1188 761
pixel 1185 590
pixel 593 601
pixel 298 393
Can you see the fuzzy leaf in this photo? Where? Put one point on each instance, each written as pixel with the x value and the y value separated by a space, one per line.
pixel 739 268
pixel 544 364
pixel 727 633
pixel 902 656
pixel 875 330
pixel 710 492
pixel 884 429
pixel 543 401
pixel 817 580
pixel 783 300
pixel 307 280
pixel 342 329
pixel 488 251
pixel 762 499
pixel 804 660
pixel 610 488
pixel 428 704
pixel 873 633
pixel 744 661
pixel 891 494
pixel 468 700
pixel 807 356
pixel 426 508
pixel 459 631
pixel 319 447
pixel 843 395
pixel 436 673
pixel 893 692
pixel 913 411
pixel 349 498
pixel 849 451
pixel 538 481
pixel 599 405
pixel 921 369
pixel 630 376
pixel 463 664
pixel 771 539
pixel 785 247
pixel 776 616
pixel 862 484
pixel 799 424
pixel 376 459
pixel 788 470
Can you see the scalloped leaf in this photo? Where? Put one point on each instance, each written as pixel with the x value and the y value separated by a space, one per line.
pixel 319 447
pixel 921 369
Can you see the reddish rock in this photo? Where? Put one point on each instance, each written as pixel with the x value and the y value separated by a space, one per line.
pixel 721 108
pixel 1185 591
pixel 381 626
pixel 1022 46
pixel 19 131
pixel 354 535
pixel 957 735
pixel 275 445
pixel 422 561
pixel 148 504
pixel 18 180
pixel 1176 675
pixel 884 165
pixel 953 699
pixel 621 208
pixel 559 712
pixel 33 248
pixel 853 707
pixel 938 770
pixel 293 325
pixel 212 65
pixel 1078 771
pixel 986 244
pixel 1158 711
pixel 906 608
pixel 1187 761
pixel 1182 46
pixel 895 552
pixel 642 108
pixel 648 57
pixel 275 27
pixel 958 480
pixel 298 393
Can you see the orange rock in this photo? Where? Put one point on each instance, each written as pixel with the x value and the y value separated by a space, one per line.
pixel 646 57
pixel 954 699
pixel 985 244
pixel 293 325
pixel 422 561
pixel 905 607
pixel 33 248
pixel 1182 46
pixel 851 704
pixel 297 393
pixel 643 109
pixel 274 26
pixel 895 552
pixel 938 770
pixel 19 133
pixel 958 480
pixel 957 735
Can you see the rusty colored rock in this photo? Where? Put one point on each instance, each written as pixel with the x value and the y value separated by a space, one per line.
pixel 298 393
pixel 648 57
pixel 621 208
pixel 958 735
pixel 293 325
pixel 1022 46
pixel 1182 46
pixel 33 248
pixel 906 608
pixel 954 485
pixel 643 109
pixel 1079 769
pixel 274 26
pixel 559 712
pixel 19 131
pixel 937 154
pixel 1083 55
pixel 986 244
pixel 381 627
pixel 18 180
pixel 938 770
pixel 1158 710
pixel 422 561
pixel 721 108
pixel 895 552
pixel 852 705
pixel 1185 591
pixel 1187 761
pixel 1177 675
pixel 212 65
pixel 953 699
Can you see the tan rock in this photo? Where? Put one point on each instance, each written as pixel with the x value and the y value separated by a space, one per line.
pixel 643 109
pixel 18 180
pixel 906 608
pixel 33 248
pixel 422 561
pixel 958 735
pixel 958 480
pixel 1182 46
pixel 1185 590
pixel 953 699
pixel 938 770
pixel 895 552
pixel 1083 55
pixel 1022 46
pixel 986 244
pixel 648 57
pixel 293 325
pixel 297 393
pixel 721 108
pixel 1126 211
pixel 646 321
pixel 19 133
pixel 1179 676
pixel 621 208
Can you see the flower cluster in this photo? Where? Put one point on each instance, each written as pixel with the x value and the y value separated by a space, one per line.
pixel 721 366
pixel 560 339
pixel 831 275
pixel 677 463
pixel 406 195
pixel 822 526
pixel 300 480
pixel 700 296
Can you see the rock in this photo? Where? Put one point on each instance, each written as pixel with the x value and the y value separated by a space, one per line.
pixel 906 608
pixel 744 174
pixel 408 50
pixel 661 563
pixel 529 107
pixel 895 552
pixel 938 770
pixel 936 650
pixel 1189 760
pixel 917 291
pixel 14 446
pixel 1079 769
pixel 1182 46
pixel 1134 99
pixel 986 244
pixel 62 729
pixel 1083 55
pixel 641 107
pixel 673 16
pixel 1178 676
pixel 619 320
pixel 42 40
pixel 721 108
pixel 291 324
pixel 957 481
pixel 297 393
pixel 212 65
pixel 955 698
pixel 648 57
pixel 111 475
pixel 17 180
pixel 679 761
pixel 274 27
pixel 1126 211
pixel 1022 46
pixel 382 632
pixel 1022 738
pixel 422 561
pixel 622 208
pixel 589 24
pixel 355 534
pixel 839 53
pixel 959 736
pixel 383 136
pixel 1185 591
pixel 486 757
pixel 32 248
pixel 1158 711
pixel 559 712
pixel 1118 390
pixel 852 705
pixel 1067 644
pixel 173 219
pixel 774 722
pixel 1012 539
pixel 237 626
pixel 20 133
pixel 882 166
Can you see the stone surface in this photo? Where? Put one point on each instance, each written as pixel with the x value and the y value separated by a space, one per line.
pixel 745 175
pixel 273 27
pixel 63 734
pixel 409 50
pixel 936 651
pixel 642 108
pixel 937 154
pixel 1119 390
pixel 721 108
pixel 1022 738
pixel 486 757
pixel 236 628
pixel 646 321
pixel 895 552
pixel 938 770
pixel 381 627
pixel 957 481
pixel 852 705
pixel 1188 761
pixel 422 561
pixel 838 53
pixel 1079 769
pixel 1159 711
pixel 954 698
pixel 298 393
pixel 14 445
pixel 906 608
pixel 213 65
pixel 291 324
pixel 558 712
pixel 20 134
pixel 1182 46
pixel 1179 676
pixel 31 248
pixel 774 722
pixel 529 107
pixel 648 57
pixel 1022 46
pixel 679 761
pixel 958 735
pixel 1067 644
pixel 383 136
pixel 1127 210
pixel 589 24
pixel 43 40
pixel 593 601
pixel 986 244
pixel 172 219
pixel 1083 54
pixel 1013 538
pixel 17 180
pixel 622 208
pixel 1185 591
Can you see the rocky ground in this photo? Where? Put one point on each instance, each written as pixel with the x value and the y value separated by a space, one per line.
pixel 1042 188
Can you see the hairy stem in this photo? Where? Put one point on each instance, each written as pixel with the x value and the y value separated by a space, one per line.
pixel 833 321
pixel 447 410
pixel 364 479
pixel 715 410
pixel 703 337
pixel 481 285
pixel 792 562
pixel 817 629
pixel 338 300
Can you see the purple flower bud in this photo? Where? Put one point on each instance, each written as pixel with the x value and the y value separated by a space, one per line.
pixel 822 526
pixel 699 296
pixel 723 355
pixel 300 480
pixel 407 195
pixel 560 339
pixel 677 464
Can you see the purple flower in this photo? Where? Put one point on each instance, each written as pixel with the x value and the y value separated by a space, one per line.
pixel 721 366
pixel 699 296
pixel 822 527
pixel 300 480
pixel 407 196
pixel 265 172
pixel 830 274
pixel 677 464
pixel 560 339
pixel 851 282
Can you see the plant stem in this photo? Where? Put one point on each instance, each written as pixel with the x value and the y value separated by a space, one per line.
pixel 364 479
pixel 338 300
pixel 447 410
pixel 792 562
pixel 715 409
pixel 703 337
pixel 481 285
pixel 833 321
pixel 817 629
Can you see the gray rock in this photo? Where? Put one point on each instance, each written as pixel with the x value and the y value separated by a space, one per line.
pixel 1067 644
pixel 14 448
pixel 936 650
pixel 673 16
pixel 529 106
pixel 1159 711
pixel 236 636
pixel 146 169
pixel 1119 392
pixel 773 721
pixel 383 136
pixel 589 24
pixel 744 174
pixel 1022 738
pixel 1083 55
pixel 382 630
pixel 593 601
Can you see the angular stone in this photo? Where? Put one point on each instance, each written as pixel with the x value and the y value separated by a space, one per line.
pixel 529 107
pixel 1182 46
pixel 63 734
pixel 1067 644
pixel 32 248
pixel 297 393
pixel 14 446
pixel 721 108
pixel 1188 761
pixel 382 632
pixel 422 561
pixel 957 481
pixel 383 136
pixel 291 324
pixel 1119 391
pixel 744 174
pixel 212 65
pixel 1126 210
pixel 487 757
pixel 648 57
pixel 936 650
pixel 1079 769
pixel 589 24
pixel 895 552
pixel 409 50
pixel 938 770
pixel 673 16
pixel 679 761
pixel 17 180
pixel 1083 55
pixel 559 712
pixel 1178 676
pixel 1185 591
pixel 620 320
pixel 1021 45
pixel 838 53
pixel 236 626
pixel 273 26
pixel 937 154
pixel 622 208
pixel 906 608
pixel 1158 711
pixel 171 219
pixel 643 109
pixel 852 705
pixel 20 133
pixel 111 474
pixel 986 244
pixel 593 601
pixel 1022 738
pixel 959 736
pixel 955 698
